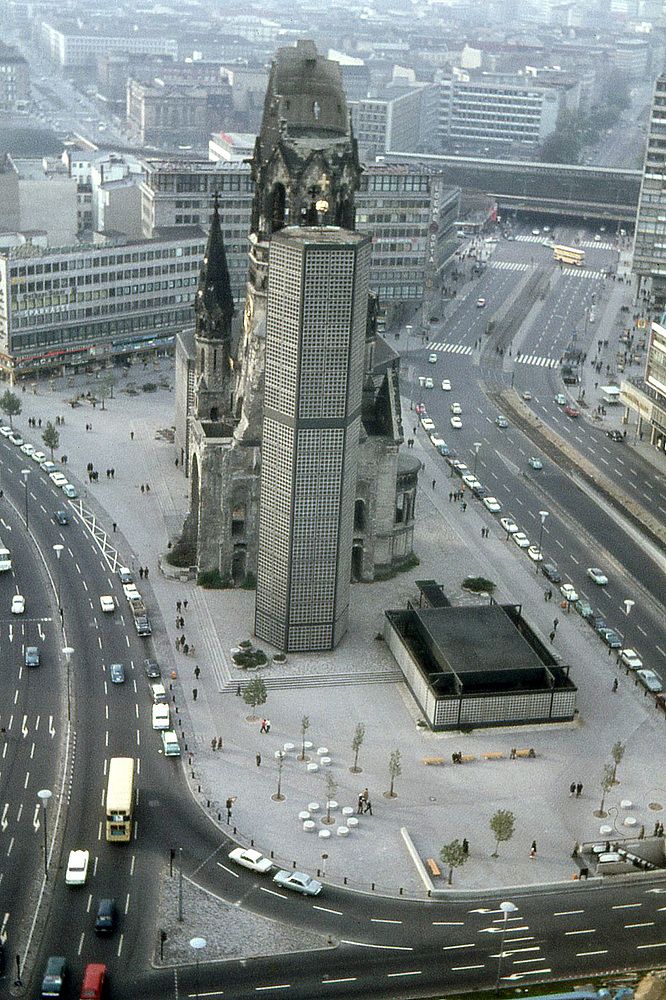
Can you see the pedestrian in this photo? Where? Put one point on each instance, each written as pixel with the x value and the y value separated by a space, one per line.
pixel 145 572
pixel 182 640
pixel 143 488
pixel 213 743
pixel 572 789
pixel 465 846
pixel 366 794
pixel 262 727
pixel 268 725
pixel 147 487
pixel 660 832
pixel 238 691
pixel 615 685
pixel 579 788
pixel 185 605
pixel 552 636
pixel 258 760
pixel 219 743
pixel 115 526
pixel 556 622
pixel 463 506
pixel 574 853
pixel 641 835
pixel 450 496
pixel 197 671
pixel 113 473
pixel 360 803
pixel 655 832
pixel 141 572
pixel 434 483
pixel 545 595
pixel 178 605
pixel 131 435
pixel 186 649
pixel 368 807
pixel 195 693
pixel 533 849
pixel 192 650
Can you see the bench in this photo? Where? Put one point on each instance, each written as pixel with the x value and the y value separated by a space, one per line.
pixel 434 760
pixel 466 757
pixel 494 756
pixel 523 753
pixel 432 865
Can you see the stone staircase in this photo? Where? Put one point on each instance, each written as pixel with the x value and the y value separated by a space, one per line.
pixel 342 679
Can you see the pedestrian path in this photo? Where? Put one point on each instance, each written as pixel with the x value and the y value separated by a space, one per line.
pixel 593 245
pixel 449 348
pixel 539 361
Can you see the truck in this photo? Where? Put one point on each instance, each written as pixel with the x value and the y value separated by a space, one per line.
pixel 140 615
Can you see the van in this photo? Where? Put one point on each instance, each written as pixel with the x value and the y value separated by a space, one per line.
pixel 93 981
pixel 158 693
pixel 170 743
pixel 161 717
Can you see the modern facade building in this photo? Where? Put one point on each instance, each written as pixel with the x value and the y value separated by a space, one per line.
pixel 14 79
pixel 70 46
pixel 315 322
pixel 647 396
pixel 395 120
pixel 496 107
pixel 71 306
pixel 649 257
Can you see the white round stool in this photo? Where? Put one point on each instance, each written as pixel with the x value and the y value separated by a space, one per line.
pixel 324 761
pixel 331 804
pixel 312 766
pixel 288 747
pixel 606 830
pixel 626 804
pixel 313 807
pixel 347 811
pixel 308 745
pixel 304 815
pixel 309 825
pixel 324 834
pixel 279 754
pixel 343 831
pixel 322 750
pixel 629 821
pixel 352 821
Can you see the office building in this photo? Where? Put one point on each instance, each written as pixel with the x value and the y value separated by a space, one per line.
pixel 14 79
pixel 496 107
pixel 71 45
pixel 649 257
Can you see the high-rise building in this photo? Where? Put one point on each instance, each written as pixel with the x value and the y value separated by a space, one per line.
pixel 649 260
pixel 315 323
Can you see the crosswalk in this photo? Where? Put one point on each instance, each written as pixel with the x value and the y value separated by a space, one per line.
pixel 538 360
pixel 531 239
pixel 449 348
pixel 581 272
pixel 592 245
pixel 510 265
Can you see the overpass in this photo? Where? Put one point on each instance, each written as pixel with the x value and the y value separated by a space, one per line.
pixel 598 194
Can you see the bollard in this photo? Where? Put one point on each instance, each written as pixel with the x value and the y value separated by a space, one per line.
pixel 293 864
pixel 272 854
pixel 235 831
pixel 208 803
pixel 401 890
pixel 199 788
pixel 252 842
pixel 373 887
pixel 219 817
pixel 345 880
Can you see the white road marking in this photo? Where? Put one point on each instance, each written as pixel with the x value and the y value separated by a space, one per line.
pixel 448 923
pixel 625 906
pixel 648 923
pixel 589 930
pixel 326 909
pixel 585 954
pixel 657 944
pixel 281 986
pixel 272 892
pixel 381 947
pixel 380 920
pixel 454 947
pixel 392 975
pixel 463 968
pixel 325 982
pixel 229 870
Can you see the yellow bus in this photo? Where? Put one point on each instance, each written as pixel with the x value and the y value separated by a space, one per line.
pixel 569 255
pixel 120 799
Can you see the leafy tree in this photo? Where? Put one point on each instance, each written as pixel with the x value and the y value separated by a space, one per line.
pixel 51 437
pixel 10 404
pixel 356 744
pixel 502 823
pixel 305 725
pixel 607 782
pixel 617 753
pixel 255 693
pixel 331 789
pixel 395 769
pixel 560 147
pixel 453 855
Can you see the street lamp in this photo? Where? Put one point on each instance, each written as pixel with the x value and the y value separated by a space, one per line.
pixel 58 549
pixel 197 943
pixel 44 795
pixel 543 514
pixel 506 908
pixel 67 653
pixel 25 473
pixel 477 448
pixel 628 605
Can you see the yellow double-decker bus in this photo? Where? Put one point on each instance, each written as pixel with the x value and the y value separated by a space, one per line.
pixel 120 799
pixel 569 255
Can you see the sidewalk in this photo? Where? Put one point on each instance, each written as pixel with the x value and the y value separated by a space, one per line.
pixel 434 804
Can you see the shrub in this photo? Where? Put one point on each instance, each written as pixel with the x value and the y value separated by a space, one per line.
pixel 211 580
pixel 478 585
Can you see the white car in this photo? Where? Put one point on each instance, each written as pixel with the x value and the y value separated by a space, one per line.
pixel 77 867
pixel 456 422
pixel 427 424
pixel 70 491
pixel 509 525
pixel 568 592
pixel 48 466
pixel 631 659
pixel 597 575
pixel 16 439
pixel 521 539
pixel 446 384
pixel 535 553
pixel 253 860
pixel 433 359
pixel 18 604
pixel 456 409
pixel 107 603
pixel 501 421
pixel 57 478
pixel 429 384
pixel 493 504
pixel 298 881
pixel 650 680
pixel 5 431
pixel 27 448
pixel 469 479
pixel 437 441
pixel 38 456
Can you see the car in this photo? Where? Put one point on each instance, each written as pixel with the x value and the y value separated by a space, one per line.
pixel 105 919
pixel 527 396
pixel 615 435
pixel 16 439
pixel 27 448
pixel 456 422
pixel 437 441
pixel 298 882
pixel 254 860
pixel 429 384
pixel 427 424
pixel 535 463
pixel 117 673
pixel 535 232
pixel 54 976
pixel 609 636
pixel 480 303
pixel 561 399
pixel 125 575
pixel 60 517
pixel 650 680
pixel 469 479
pixel 597 238
pixel 521 539
pixel 568 592
pixel 597 575
pixel 420 409
pixel 456 409
pixel 152 670
pixel 444 450
pixel 583 608
pixel 47 466
pixel 597 621
pixel 31 656
pixel 551 572
pixel 535 553
pixel 6 431
pixel 546 229
pixel 509 525
pixel 433 359
pixel 38 456
pixel 18 604
pixel 480 492
pixel 446 384
pixel 501 421
pixel 77 867
pixel 492 503
pixel 70 491
pixel 57 478
pixel 107 603
pixel 571 411
pixel 631 659
pixel 459 467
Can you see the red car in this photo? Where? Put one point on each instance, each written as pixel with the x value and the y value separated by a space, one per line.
pixel 420 408
pixel 571 411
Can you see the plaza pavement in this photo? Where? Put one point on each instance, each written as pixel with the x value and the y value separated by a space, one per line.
pixel 433 804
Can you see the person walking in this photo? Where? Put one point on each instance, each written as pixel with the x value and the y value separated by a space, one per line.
pixel 258 760
pixel 360 803
pixel 262 727
pixel 465 846
pixel 556 622
pixel 572 789
pixel 615 685
pixel 552 636
pixel 197 671
pixel 368 807
pixel 533 849
pixel 195 694
pixel 579 789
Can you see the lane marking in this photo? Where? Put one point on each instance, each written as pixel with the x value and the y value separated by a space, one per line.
pixel 592 930
pixel 281 986
pixel 464 968
pixel 381 947
pixel 380 920
pixel 229 870
pixel 325 982
pixel 392 975
pixel 273 892
pixel 448 923
pixel 454 947
pixel 648 923
pixel 566 913
pixel 657 944
pixel 584 954
pixel 625 906
pixel 326 909
pixel 526 961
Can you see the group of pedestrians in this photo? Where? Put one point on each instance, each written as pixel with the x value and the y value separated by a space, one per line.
pixel 364 803
pixel 455 496
pixel 143 572
pixel 181 643
pixel 575 788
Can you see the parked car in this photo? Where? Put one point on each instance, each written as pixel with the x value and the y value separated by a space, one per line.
pixel 27 448
pixel 571 411
pixel 6 431
pixel 444 450
pixel 77 867
pixel 151 669
pixel 597 575
pixel 427 424
pixel 298 882
pixel 70 491
pixel 615 435
pixel 551 572
pixel 38 457
pixel 254 860
pixel 631 659
pixel 31 656
pixel 480 303
pixel 650 680
pixel 429 384
pixel 493 504
pixel 509 525
pixel 16 439
pixel 568 592
pixel 521 539
pixel 597 621
pixel 527 396
pixel 456 422
pixel 420 408
pixel 535 553
pixel 584 609
pixel 610 637
pixel 561 399
pixel 446 384
pixel 469 479
pixel 456 409
pixel 535 463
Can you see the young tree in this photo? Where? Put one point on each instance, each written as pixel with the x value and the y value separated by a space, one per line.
pixel 280 764
pixel 331 789
pixel 453 855
pixel 502 823
pixel 255 693
pixel 10 404
pixel 51 437
pixel 395 770
pixel 305 725
pixel 607 782
pixel 356 744
pixel 617 753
